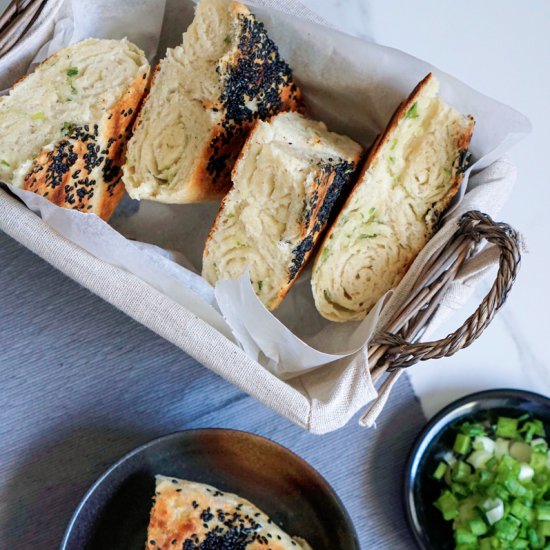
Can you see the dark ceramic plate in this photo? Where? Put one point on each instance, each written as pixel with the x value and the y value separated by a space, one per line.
pixel 421 490
pixel 115 511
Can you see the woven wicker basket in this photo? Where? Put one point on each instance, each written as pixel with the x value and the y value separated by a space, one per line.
pixel 399 346
pixel 16 20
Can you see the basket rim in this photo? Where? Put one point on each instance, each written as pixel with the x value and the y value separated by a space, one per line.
pixel 46 16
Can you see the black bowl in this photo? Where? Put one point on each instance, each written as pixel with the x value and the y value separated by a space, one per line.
pixel 114 513
pixel 421 490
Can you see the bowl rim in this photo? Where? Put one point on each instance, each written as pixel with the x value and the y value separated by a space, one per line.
pixel 431 429
pixel 325 485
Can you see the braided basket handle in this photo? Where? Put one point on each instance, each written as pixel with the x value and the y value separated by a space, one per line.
pixel 395 348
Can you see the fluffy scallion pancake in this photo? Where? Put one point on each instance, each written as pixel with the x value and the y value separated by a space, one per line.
pixel 194 516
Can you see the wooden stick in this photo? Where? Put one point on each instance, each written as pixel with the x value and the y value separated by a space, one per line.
pixel 8 15
pixel 19 25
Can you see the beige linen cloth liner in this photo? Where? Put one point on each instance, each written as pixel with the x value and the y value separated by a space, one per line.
pixel 319 401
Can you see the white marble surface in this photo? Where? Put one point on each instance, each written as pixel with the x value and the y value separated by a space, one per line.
pixel 501 48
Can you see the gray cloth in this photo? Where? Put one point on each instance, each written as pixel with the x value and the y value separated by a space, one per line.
pixel 81 384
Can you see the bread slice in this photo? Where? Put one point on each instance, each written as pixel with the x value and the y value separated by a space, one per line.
pixel 411 174
pixel 188 515
pixel 285 184
pixel 64 127
pixel 205 97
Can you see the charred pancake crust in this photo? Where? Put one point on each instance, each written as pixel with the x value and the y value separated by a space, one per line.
pixel 341 174
pixel 259 74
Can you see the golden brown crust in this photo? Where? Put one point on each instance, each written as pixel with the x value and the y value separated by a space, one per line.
pixel 189 515
pixel 83 169
pixel 146 95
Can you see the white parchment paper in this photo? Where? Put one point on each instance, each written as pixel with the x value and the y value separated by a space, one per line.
pixel 140 22
pixel 352 85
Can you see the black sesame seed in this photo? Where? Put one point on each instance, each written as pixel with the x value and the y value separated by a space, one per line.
pixel 259 72
pixel 335 176
pixel 207 515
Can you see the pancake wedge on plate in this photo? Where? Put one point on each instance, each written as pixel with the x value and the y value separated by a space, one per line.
pixel 205 97
pixel 413 171
pixel 193 516
pixel 285 184
pixel 65 126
